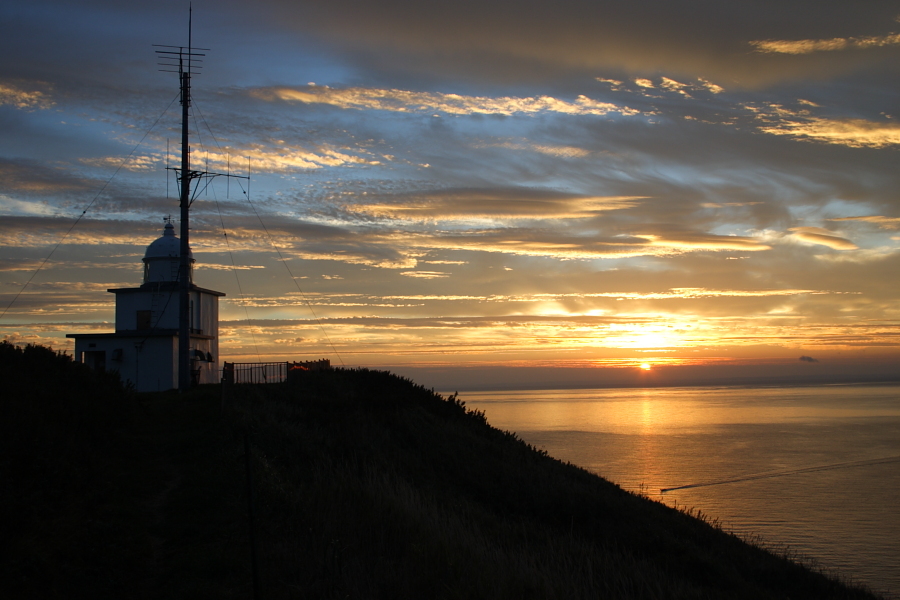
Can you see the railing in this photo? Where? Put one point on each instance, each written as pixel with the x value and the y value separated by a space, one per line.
pixel 274 372
pixel 268 372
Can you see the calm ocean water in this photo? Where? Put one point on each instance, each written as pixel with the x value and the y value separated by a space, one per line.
pixel 813 468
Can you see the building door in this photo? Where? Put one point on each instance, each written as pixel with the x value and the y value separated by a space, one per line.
pixel 95 359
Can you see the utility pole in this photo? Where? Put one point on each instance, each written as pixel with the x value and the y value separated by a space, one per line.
pixel 186 58
pixel 185 65
pixel 184 269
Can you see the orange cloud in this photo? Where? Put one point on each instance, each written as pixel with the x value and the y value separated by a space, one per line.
pixel 428 102
pixel 426 274
pixel 882 222
pixel 13 95
pixel 856 133
pixel 512 203
pixel 823 237
pixel 704 241
pixel 829 45
pixel 558 151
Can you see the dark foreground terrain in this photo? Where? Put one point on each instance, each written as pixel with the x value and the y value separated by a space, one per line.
pixel 363 485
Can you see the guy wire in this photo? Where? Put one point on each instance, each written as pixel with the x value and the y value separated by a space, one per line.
pixel 272 242
pixel 84 212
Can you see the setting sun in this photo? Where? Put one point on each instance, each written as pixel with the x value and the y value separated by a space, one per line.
pixel 645 366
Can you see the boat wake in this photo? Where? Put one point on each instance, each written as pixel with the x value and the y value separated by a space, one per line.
pixel 769 475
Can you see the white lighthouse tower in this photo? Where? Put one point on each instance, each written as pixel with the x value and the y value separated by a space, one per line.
pixel 144 348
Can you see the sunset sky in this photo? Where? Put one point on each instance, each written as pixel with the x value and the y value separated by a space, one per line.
pixel 473 193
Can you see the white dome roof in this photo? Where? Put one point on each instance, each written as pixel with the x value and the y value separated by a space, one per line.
pixel 168 246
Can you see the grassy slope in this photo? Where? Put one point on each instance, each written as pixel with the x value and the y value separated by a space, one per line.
pixel 366 486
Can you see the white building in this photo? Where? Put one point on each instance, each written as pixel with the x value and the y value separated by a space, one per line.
pixel 144 348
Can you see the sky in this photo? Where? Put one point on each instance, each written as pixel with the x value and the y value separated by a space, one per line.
pixel 475 194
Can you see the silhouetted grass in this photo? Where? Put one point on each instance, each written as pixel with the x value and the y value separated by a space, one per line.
pixel 375 487
pixel 110 494
pixel 366 486
pixel 60 427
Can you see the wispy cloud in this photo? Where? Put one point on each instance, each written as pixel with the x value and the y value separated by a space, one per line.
pixel 494 204
pixel 136 163
pixel 278 156
pixel 666 84
pixel 823 237
pixel 480 178
pixel 880 221
pixel 429 102
pixel 35 178
pixel 826 45
pixel 528 242
pixel 856 133
pixel 425 274
pixel 14 206
pixel 558 151
pixel 688 240
pixel 16 95
pixel 220 267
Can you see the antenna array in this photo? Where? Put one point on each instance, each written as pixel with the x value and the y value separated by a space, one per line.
pixel 181 60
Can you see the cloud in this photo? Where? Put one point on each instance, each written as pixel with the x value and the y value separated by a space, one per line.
pixel 390 300
pixel 855 133
pixel 425 274
pixel 429 102
pixel 822 237
pixel 584 158
pixel 32 177
pixel 685 293
pixel 558 151
pixel 493 204
pixel 224 267
pixel 13 94
pixel 830 45
pixel 808 359
pixel 133 163
pixel 504 41
pixel 277 156
pixel 537 242
pixel 689 240
pixel 13 206
pixel 863 256
pixel 882 222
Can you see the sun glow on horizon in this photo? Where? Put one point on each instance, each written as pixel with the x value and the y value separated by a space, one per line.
pixel 646 366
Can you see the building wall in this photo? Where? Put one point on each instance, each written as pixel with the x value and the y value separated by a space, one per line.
pixel 209 371
pixel 150 364
pixel 163 306
pixel 207 306
pixel 147 360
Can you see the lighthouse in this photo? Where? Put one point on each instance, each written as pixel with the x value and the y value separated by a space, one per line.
pixel 145 346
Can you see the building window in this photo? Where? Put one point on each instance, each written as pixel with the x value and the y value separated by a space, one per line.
pixel 143 319
pixel 95 359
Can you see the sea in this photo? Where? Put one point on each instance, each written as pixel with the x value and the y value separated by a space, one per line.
pixel 814 471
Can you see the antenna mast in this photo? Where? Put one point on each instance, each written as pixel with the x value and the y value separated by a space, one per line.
pixel 183 61
pixel 185 65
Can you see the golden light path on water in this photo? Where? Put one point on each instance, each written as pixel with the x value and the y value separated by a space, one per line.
pixel 813 468
pixel 646 411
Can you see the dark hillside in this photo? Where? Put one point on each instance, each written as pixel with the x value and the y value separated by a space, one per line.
pixel 388 490
pixel 365 485
pixel 60 451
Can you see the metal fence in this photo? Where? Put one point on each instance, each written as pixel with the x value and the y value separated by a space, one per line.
pixel 269 372
pixel 274 372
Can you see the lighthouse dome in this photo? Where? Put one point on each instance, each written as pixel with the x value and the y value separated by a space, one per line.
pixel 166 246
pixel 161 260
